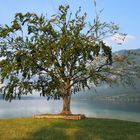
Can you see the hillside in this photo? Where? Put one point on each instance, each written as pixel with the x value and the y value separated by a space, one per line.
pixel 117 92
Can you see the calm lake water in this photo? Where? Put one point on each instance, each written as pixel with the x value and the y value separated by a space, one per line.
pixel 91 108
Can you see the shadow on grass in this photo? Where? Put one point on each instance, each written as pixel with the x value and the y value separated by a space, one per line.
pixel 63 130
pixel 48 133
pixel 87 130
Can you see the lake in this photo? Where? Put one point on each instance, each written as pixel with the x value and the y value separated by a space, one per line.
pixel 91 108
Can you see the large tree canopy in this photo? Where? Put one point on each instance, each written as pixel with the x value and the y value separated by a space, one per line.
pixel 55 57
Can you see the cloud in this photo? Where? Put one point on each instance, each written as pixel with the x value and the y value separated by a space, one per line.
pixel 129 38
pixel 119 39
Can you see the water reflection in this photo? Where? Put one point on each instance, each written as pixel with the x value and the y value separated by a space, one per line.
pixel 92 108
pixel 26 108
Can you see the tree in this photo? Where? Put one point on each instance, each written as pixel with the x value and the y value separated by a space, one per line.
pixel 55 57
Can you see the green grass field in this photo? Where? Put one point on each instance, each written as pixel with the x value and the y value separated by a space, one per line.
pixel 57 129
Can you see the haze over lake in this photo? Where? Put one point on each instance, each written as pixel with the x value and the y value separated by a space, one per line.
pixel 107 102
pixel 91 108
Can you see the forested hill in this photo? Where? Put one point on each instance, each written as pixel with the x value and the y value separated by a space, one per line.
pixel 133 54
pixel 117 92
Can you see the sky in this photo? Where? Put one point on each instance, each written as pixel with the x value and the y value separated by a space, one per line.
pixel 125 13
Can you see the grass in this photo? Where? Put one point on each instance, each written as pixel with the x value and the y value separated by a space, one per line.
pixel 58 129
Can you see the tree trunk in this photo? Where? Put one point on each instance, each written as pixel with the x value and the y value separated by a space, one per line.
pixel 66 98
pixel 66 105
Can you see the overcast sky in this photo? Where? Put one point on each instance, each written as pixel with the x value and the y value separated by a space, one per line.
pixel 126 13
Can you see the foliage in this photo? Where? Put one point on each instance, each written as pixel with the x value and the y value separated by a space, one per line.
pixel 56 56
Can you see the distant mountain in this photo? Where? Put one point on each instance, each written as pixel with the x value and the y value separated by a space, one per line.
pixel 117 92
pixel 26 97
pixel 124 52
pixel 133 54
